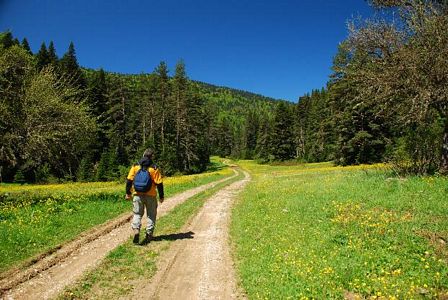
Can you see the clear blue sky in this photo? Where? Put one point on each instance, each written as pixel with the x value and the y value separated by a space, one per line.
pixel 278 48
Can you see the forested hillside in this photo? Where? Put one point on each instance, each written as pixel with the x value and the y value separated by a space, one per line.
pixel 61 121
pixel 386 100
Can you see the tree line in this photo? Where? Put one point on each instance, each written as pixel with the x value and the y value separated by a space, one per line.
pixel 386 100
pixel 64 122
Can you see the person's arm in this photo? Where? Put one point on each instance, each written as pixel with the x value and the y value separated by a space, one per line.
pixel 161 192
pixel 158 181
pixel 128 188
pixel 129 181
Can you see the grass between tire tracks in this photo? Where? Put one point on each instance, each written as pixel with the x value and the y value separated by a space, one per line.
pixel 126 265
pixel 321 232
pixel 37 218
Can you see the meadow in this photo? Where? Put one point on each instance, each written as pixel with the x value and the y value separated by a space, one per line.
pixel 37 218
pixel 316 231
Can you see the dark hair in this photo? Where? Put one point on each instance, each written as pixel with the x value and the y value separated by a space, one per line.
pixel 149 153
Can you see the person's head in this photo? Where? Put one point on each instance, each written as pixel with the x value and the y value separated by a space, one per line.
pixel 149 153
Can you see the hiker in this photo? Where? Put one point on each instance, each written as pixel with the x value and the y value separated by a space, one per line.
pixel 142 180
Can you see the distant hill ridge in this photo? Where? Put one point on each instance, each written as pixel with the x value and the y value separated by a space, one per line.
pixel 242 93
pixel 211 87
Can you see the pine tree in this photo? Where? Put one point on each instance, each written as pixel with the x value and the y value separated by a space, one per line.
pixel 42 57
pixel 195 143
pixel 97 101
pixel 148 115
pixel 116 121
pixel 26 46
pixel 225 137
pixel 6 39
pixel 102 171
pixel 85 169
pixel 362 135
pixel 69 67
pixel 251 134
pixel 264 146
pixel 179 93
pixel 52 56
pixel 282 138
pixel 162 98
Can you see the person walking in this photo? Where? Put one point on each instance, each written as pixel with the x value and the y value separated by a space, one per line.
pixel 142 181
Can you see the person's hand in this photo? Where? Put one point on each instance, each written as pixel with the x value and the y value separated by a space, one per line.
pixel 161 200
pixel 128 197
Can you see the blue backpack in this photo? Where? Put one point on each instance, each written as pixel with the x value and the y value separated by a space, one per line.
pixel 142 180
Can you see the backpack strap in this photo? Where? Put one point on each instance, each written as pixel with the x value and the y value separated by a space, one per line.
pixel 142 167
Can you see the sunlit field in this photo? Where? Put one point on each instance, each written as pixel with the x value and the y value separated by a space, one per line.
pixel 324 232
pixel 36 218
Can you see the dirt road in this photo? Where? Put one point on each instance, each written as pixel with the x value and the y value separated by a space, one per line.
pixel 48 276
pixel 200 267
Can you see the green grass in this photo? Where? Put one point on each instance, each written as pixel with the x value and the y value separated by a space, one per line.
pixel 322 232
pixel 37 218
pixel 128 264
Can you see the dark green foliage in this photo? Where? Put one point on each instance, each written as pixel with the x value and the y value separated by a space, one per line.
pixel 135 112
pixel 98 105
pixel 236 122
pixel 6 39
pixel 225 137
pixel 418 149
pixel 102 171
pixel 282 139
pixel 363 136
pixel 26 46
pixel 264 146
pixel 52 56
pixel 69 67
pixel 42 57
pixel 250 134
pixel 85 171
pixel 314 128
pixel 19 177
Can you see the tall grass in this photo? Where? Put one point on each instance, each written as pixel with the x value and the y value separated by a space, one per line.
pixel 326 232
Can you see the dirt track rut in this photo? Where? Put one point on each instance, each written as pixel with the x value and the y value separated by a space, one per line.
pixel 47 277
pixel 200 267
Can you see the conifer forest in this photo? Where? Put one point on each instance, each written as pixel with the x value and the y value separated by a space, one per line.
pixel 386 101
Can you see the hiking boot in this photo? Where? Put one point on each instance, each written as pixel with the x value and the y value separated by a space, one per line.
pixel 148 238
pixel 136 236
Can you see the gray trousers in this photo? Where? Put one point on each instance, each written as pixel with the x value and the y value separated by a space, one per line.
pixel 141 202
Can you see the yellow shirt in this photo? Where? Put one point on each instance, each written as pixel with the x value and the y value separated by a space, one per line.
pixel 156 178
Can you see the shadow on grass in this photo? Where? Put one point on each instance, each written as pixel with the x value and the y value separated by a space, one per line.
pixel 174 236
pixel 215 166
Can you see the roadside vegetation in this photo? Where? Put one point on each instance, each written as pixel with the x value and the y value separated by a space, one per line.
pixel 129 264
pixel 314 231
pixel 37 218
